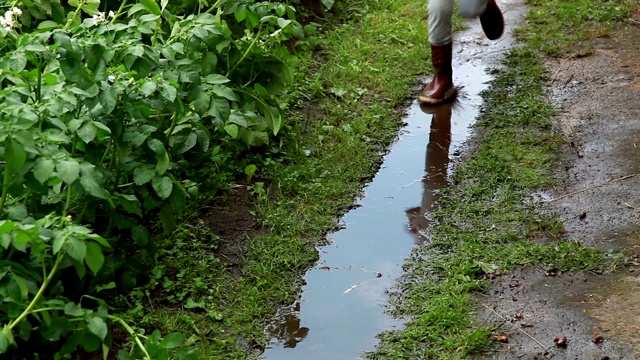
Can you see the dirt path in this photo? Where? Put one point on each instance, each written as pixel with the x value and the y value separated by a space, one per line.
pixel 600 100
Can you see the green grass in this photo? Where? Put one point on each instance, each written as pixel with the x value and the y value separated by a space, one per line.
pixel 559 28
pixel 486 220
pixel 352 83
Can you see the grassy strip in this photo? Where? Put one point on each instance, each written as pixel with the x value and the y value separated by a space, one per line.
pixel 486 220
pixel 352 82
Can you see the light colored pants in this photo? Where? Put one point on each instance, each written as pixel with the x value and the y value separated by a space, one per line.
pixel 441 17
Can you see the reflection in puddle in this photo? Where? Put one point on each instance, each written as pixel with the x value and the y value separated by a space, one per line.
pixel 436 166
pixel 288 331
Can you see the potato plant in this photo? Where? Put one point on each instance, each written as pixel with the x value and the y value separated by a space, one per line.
pixel 102 114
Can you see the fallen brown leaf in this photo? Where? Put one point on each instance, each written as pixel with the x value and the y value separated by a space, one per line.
pixel 560 341
pixel 502 338
pixel 598 339
pixel 519 315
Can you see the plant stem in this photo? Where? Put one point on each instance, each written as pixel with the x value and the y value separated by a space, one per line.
pixel 174 120
pixel 39 85
pixel 75 15
pixel 84 208
pixel 246 53
pixel 106 152
pixel 36 298
pixel 5 187
pixel 119 11
pixel 46 309
pixel 215 6
pixel 132 333
pixel 67 202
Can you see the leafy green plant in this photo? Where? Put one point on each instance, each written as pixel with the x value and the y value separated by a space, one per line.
pixel 102 117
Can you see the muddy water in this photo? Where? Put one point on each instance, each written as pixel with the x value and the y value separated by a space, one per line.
pixel 342 307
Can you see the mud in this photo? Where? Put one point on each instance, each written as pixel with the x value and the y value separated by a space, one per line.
pixel 600 100
pixel 230 217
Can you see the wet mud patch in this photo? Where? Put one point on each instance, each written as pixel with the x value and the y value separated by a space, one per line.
pixel 600 120
pixel 534 309
pixel 599 204
pixel 231 218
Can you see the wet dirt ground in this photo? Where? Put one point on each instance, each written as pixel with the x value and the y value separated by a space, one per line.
pixel 342 307
pixel 598 314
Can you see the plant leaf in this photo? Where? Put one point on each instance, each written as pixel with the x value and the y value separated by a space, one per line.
pixel 225 92
pixel 87 132
pixel 161 155
pixel 172 340
pixel 72 309
pixel 162 186
pixel 68 170
pixel 151 6
pixel 95 258
pixel 43 169
pixel 149 87
pixel 327 3
pixel 76 248
pixel 216 79
pixel 130 203
pixel 232 130
pixel 90 181
pixel 142 175
pixel 97 326
pixel 15 156
pixel 168 92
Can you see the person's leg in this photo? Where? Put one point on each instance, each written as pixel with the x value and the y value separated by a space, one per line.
pixel 471 8
pixel 440 21
pixel 440 24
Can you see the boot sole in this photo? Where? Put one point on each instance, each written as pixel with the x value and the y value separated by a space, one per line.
pixel 448 96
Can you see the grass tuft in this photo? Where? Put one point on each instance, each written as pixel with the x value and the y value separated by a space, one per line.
pixel 559 28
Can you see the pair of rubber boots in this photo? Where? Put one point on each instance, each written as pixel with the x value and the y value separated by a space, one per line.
pixel 441 88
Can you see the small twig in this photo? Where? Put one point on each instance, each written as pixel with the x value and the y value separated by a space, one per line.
pixel 515 327
pixel 562 65
pixel 592 187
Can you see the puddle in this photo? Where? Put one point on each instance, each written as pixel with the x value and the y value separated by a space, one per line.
pixel 342 305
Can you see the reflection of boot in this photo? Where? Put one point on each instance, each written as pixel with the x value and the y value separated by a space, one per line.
pixel 492 21
pixel 440 89
pixel 436 165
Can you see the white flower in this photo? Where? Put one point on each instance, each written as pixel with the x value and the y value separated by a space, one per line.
pixel 98 18
pixel 112 14
pixel 8 21
pixel 111 78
